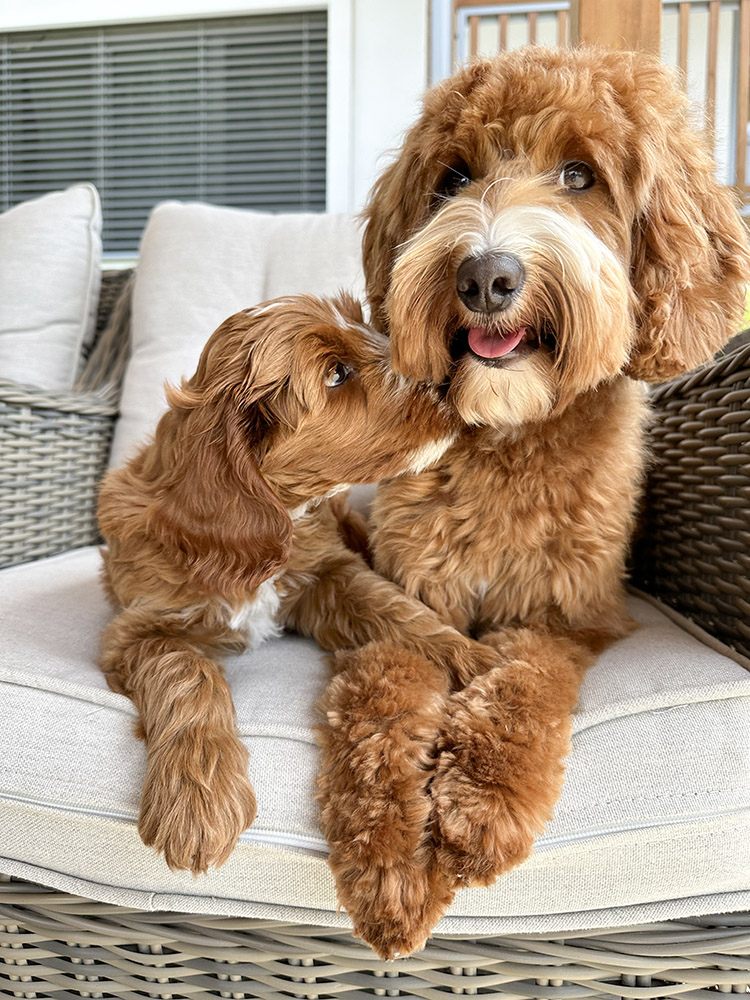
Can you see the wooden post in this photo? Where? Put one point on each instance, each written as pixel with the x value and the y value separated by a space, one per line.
pixel 743 98
pixel 616 24
pixel 714 10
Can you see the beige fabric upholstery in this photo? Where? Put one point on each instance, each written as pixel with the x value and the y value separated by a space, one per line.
pixel 654 820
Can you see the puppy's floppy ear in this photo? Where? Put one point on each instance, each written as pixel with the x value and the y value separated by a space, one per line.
pixel 690 261
pixel 212 509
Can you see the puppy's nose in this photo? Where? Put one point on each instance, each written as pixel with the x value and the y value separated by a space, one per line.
pixel 488 283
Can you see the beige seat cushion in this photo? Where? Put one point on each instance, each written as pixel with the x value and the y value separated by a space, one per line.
pixel 654 820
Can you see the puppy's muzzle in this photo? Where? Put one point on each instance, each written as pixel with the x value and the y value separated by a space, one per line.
pixel 488 283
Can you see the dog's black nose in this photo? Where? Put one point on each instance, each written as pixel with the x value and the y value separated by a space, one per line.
pixel 487 283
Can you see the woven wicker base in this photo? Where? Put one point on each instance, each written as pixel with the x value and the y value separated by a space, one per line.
pixel 56 945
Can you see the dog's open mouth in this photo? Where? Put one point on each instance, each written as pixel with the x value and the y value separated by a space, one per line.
pixel 492 344
pixel 496 347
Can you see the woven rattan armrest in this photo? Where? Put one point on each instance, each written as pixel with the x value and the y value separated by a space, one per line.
pixel 54 446
pixel 694 552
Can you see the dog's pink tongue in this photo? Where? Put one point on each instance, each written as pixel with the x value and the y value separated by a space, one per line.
pixel 493 344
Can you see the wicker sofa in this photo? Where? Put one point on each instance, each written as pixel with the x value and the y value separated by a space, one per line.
pixel 78 923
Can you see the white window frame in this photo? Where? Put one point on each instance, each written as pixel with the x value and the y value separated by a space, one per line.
pixel 36 14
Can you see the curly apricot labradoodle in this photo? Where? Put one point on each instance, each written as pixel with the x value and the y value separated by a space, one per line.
pixel 550 236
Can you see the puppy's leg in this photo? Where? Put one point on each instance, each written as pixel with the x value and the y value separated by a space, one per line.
pixel 383 712
pixel 344 604
pixel 197 798
pixel 503 752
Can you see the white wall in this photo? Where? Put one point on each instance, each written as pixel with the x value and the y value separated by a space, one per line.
pixel 377 67
pixel 390 63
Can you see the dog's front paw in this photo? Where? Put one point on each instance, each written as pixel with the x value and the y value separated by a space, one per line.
pixel 197 800
pixel 383 710
pixel 394 909
pixel 497 780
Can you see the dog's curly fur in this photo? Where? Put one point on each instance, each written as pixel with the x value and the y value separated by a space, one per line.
pixel 519 534
pixel 219 532
pixel 382 711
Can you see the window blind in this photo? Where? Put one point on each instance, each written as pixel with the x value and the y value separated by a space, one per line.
pixel 228 110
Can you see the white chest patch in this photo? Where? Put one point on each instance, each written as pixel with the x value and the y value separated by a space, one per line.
pixel 422 458
pixel 258 618
pixel 301 512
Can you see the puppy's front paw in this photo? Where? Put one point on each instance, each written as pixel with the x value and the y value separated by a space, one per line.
pixel 197 800
pixel 472 659
pixel 498 778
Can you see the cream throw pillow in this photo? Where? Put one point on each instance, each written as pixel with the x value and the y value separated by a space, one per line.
pixel 50 273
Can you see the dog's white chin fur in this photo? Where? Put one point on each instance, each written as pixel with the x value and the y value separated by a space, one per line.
pixel 522 392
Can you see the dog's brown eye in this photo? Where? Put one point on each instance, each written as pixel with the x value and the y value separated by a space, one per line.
pixel 337 374
pixel 456 177
pixel 577 176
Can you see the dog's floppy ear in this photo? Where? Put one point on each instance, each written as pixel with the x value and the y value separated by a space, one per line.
pixel 403 197
pixel 690 262
pixel 390 215
pixel 396 209
pixel 211 507
pixel 400 203
pixel 418 317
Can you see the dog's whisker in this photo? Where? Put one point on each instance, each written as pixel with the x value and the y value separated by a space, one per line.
pixel 453 170
pixel 498 180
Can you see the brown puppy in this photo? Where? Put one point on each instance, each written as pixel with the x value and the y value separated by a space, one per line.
pixel 550 232
pixel 217 537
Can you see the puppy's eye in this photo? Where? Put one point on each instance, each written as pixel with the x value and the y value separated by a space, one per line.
pixel 456 177
pixel 337 374
pixel 577 176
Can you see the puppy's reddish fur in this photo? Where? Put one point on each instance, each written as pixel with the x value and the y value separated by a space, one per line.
pixel 520 533
pixel 219 532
